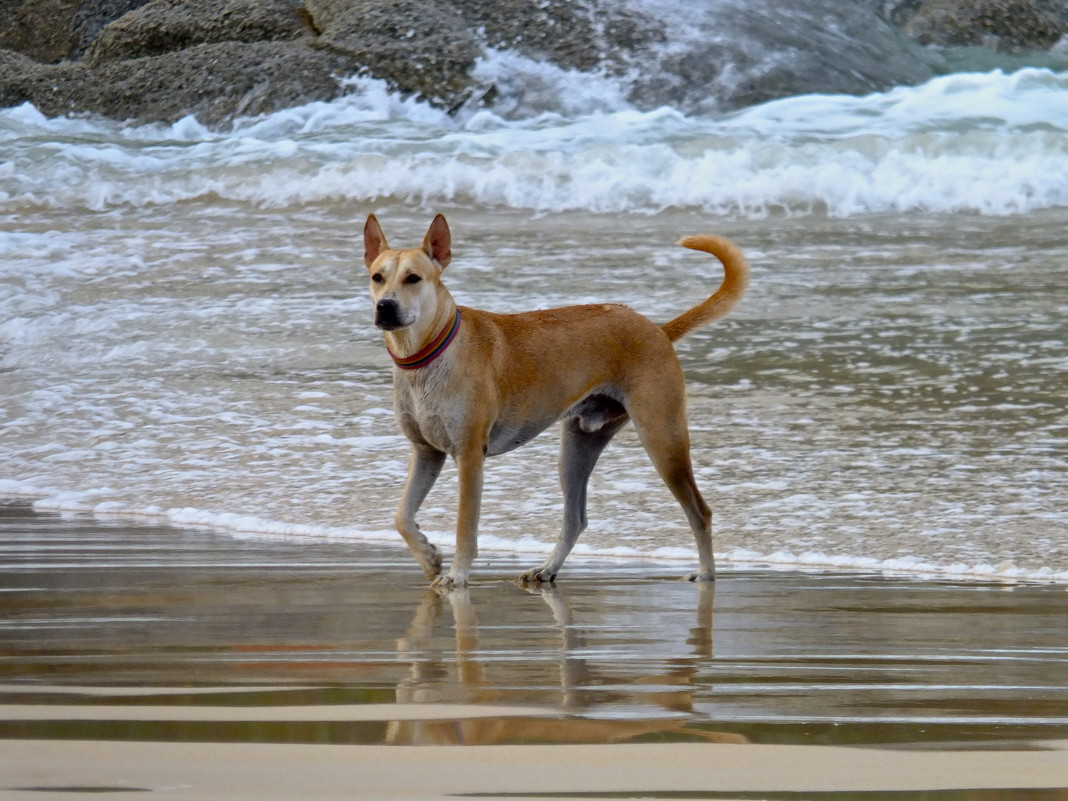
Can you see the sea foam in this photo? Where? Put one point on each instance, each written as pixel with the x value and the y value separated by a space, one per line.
pixel 991 143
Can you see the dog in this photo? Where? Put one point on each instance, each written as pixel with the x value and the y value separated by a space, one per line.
pixel 472 384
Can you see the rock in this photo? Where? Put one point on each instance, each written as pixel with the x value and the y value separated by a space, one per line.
pixel 50 31
pixel 417 47
pixel 1007 26
pixel 166 26
pixel 582 36
pixel 429 49
pixel 215 82
pixel 39 29
pixel 15 74
pixel 91 18
pixel 166 59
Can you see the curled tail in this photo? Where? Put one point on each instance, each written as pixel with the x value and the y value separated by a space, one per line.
pixel 735 280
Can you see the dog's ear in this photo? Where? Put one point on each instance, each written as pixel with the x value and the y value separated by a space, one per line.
pixel 374 241
pixel 438 242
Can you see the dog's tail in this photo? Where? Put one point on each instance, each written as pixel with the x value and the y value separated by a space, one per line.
pixel 735 280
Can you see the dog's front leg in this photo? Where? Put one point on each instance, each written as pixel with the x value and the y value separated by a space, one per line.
pixel 469 465
pixel 423 470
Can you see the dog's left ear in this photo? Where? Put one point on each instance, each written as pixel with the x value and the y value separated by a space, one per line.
pixel 438 242
pixel 374 241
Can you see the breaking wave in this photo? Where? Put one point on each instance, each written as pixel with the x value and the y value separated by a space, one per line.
pixel 991 143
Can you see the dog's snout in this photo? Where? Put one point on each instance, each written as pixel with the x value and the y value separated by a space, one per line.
pixel 387 314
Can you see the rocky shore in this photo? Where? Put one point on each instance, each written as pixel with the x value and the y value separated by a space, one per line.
pixel 161 60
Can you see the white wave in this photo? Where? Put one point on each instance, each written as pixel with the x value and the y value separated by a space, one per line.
pixel 958 102
pixel 530 88
pixel 988 143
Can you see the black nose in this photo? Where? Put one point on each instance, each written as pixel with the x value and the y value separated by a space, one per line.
pixel 387 314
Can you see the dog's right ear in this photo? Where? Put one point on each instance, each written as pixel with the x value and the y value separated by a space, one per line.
pixel 374 241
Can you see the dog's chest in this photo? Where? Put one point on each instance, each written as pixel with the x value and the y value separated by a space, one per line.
pixel 428 415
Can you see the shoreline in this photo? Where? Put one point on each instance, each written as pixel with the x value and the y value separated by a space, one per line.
pixel 232 524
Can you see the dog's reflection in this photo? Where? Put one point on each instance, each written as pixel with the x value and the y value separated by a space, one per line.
pixel 461 678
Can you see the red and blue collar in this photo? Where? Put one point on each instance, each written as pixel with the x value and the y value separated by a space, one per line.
pixel 433 350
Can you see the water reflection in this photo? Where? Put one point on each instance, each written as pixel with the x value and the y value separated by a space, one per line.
pixel 467 680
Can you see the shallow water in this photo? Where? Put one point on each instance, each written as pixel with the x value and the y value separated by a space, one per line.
pixel 888 395
pixel 111 631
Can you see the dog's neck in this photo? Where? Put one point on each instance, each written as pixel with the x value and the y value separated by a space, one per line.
pixel 404 343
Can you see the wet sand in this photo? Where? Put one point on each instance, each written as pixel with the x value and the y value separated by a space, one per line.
pixel 200 665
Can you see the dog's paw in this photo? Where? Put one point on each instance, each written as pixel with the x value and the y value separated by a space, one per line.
pixel 538 575
pixel 430 561
pixel 700 576
pixel 448 583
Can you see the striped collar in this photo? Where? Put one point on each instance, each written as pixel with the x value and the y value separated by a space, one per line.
pixel 435 348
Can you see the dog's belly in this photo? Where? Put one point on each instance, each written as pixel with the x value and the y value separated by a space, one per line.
pixel 594 411
pixel 505 437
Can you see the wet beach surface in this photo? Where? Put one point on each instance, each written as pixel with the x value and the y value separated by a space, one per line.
pixel 118 631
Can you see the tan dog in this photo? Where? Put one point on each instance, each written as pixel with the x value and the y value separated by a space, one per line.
pixel 472 384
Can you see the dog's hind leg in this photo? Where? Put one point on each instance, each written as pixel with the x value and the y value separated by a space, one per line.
pixel 680 481
pixel 666 439
pixel 579 452
pixel 423 470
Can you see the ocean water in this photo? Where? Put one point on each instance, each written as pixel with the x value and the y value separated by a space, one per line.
pixel 185 332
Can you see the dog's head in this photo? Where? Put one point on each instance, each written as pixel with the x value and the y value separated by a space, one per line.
pixel 406 284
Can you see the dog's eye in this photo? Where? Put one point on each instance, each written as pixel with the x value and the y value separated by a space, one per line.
pixel 377 278
pixel 412 279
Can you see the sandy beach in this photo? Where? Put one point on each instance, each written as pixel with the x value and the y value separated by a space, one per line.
pixel 202 770
pixel 200 665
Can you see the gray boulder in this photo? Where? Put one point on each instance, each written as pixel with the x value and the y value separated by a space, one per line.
pixel 215 82
pixel 167 26
pixel 49 31
pixel 166 59
pixel 418 47
pixel 161 59
pixel 1006 26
